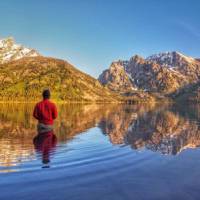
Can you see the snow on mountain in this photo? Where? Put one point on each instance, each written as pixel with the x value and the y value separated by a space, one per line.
pixel 10 51
pixel 170 59
pixel 163 72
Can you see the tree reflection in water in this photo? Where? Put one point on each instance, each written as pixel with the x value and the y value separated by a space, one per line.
pixel 166 129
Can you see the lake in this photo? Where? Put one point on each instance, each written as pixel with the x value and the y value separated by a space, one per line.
pixel 101 152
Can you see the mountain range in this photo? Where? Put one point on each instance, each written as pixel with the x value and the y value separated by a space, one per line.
pixel 165 73
pixel 24 73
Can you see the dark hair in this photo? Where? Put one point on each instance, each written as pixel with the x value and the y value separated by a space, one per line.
pixel 46 94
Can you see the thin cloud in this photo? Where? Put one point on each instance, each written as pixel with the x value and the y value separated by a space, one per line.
pixel 190 29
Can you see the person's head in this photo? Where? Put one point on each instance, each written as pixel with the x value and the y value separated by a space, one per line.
pixel 46 94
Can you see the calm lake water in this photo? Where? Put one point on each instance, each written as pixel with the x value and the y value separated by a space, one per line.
pixel 101 152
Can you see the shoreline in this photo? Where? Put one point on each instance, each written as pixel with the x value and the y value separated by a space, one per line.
pixel 91 102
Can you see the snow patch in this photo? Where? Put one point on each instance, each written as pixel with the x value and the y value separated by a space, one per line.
pixel 11 51
pixel 168 58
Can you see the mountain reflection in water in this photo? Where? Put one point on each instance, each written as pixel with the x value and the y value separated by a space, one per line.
pixel 165 129
pixel 159 130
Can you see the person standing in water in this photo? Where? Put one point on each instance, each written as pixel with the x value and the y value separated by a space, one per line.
pixel 45 112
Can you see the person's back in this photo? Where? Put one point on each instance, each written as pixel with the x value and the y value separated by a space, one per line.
pixel 45 112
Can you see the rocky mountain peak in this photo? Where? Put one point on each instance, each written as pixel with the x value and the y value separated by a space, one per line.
pixel 164 72
pixel 117 65
pixel 10 51
pixel 136 59
pixel 170 59
pixel 116 77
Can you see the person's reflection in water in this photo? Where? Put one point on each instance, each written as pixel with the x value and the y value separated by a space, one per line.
pixel 45 143
pixel 45 112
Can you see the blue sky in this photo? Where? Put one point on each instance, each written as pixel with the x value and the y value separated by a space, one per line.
pixel 92 33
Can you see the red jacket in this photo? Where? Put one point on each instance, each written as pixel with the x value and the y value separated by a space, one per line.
pixel 45 112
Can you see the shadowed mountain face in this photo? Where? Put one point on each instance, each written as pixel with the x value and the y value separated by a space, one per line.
pixel 165 130
pixel 164 73
pixel 191 93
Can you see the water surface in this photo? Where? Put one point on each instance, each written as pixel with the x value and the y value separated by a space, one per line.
pixel 101 152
